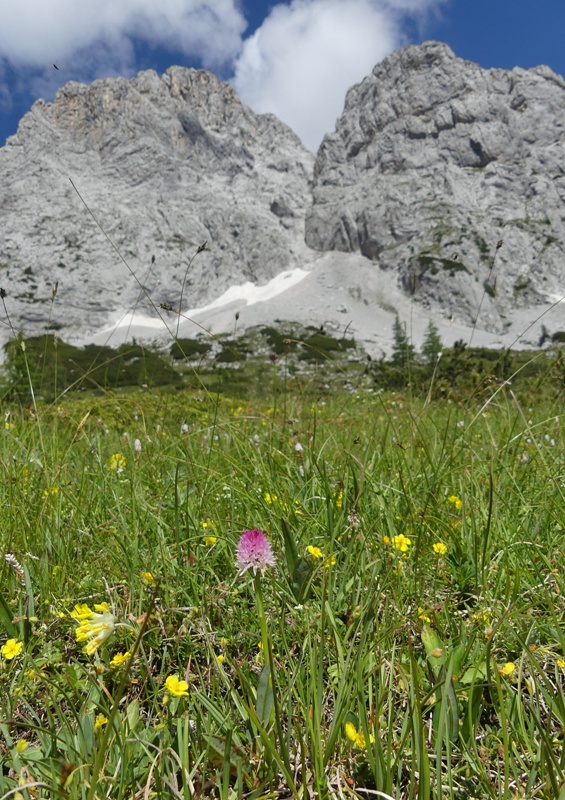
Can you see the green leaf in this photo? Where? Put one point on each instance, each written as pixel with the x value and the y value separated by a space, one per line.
pixel 265 697
pixel 474 674
pixel 458 657
pixel 6 618
pixel 301 579
pixel 290 550
pixel 451 699
pixel 435 649
pixel 472 713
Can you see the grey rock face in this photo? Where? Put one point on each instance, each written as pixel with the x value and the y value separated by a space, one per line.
pixel 433 162
pixel 164 164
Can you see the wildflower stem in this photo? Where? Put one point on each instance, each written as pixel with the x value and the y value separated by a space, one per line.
pixel 261 612
pixel 109 728
pixel 268 656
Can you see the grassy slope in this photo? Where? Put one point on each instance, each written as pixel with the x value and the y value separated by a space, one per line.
pixel 449 665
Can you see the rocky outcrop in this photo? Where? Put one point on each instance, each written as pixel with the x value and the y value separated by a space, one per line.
pixel 435 167
pixel 164 164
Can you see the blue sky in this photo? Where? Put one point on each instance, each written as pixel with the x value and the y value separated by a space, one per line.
pixel 294 58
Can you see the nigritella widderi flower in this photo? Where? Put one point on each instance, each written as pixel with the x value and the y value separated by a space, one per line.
pixel 254 552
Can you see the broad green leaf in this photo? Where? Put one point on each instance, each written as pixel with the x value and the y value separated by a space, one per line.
pixel 458 656
pixel 265 697
pixel 301 579
pixel 290 550
pixel 453 710
pixel 474 674
pixel 472 713
pixel 435 649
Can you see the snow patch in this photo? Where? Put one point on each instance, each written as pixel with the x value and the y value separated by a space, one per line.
pixel 246 293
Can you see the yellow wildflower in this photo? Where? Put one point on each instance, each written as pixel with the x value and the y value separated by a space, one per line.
pixel 221 659
pixel 99 723
pixel 94 628
pixel 508 668
pixel 330 562
pixel 356 736
pixel 482 616
pixel 315 551
pixel 210 541
pixel 176 687
pixel 561 663
pixel 386 539
pixel 440 548
pixel 148 579
pixel 117 463
pixel 11 649
pixel 270 498
pixel 119 659
pixel 457 502
pixel 423 616
pixel 339 499
pixel 81 611
pixel 21 745
pixel 401 542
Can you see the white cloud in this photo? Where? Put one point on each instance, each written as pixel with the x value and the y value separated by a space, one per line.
pixel 35 33
pixel 301 61
pixel 298 64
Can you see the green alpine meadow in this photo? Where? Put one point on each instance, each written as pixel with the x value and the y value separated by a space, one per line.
pixel 288 582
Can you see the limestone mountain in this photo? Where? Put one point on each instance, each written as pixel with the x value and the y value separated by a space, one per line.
pixel 441 193
pixel 164 164
pixel 435 166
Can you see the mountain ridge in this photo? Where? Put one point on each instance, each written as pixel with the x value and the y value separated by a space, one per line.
pixel 433 162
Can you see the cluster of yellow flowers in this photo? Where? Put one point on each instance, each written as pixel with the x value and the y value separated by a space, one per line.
pixel 99 723
pixel 402 543
pixel 94 626
pixel 117 463
pixel 316 553
pixel 120 658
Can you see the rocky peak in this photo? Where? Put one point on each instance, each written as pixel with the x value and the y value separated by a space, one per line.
pixel 164 163
pixel 433 162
